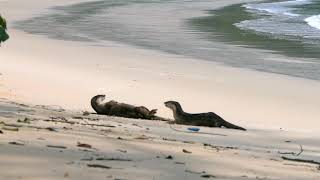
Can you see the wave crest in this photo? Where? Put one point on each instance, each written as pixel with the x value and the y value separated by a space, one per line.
pixel 314 21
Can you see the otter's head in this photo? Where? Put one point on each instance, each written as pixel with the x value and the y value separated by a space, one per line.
pixel 99 98
pixel 96 103
pixel 173 105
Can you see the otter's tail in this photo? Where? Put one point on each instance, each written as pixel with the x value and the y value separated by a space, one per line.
pixel 232 126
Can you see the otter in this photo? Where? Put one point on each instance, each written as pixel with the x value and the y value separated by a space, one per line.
pixel 114 108
pixel 209 119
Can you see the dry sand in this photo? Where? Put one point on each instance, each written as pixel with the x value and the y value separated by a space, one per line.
pixel 36 70
pixel 45 71
pixel 46 147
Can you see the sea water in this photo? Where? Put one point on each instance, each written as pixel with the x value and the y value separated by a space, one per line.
pixel 191 28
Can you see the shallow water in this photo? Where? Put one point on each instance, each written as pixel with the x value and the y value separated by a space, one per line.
pixel 189 28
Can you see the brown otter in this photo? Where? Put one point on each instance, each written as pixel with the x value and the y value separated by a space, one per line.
pixel 113 108
pixel 209 119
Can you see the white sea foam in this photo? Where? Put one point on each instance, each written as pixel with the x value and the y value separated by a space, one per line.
pixel 314 21
pixel 283 8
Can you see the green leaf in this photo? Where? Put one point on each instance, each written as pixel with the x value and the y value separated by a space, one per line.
pixel 3 35
pixel 3 22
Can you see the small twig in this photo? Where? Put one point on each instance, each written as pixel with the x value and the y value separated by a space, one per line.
pixel 208 176
pixel 215 134
pixel 218 148
pixel 10 128
pixel 186 151
pixel 54 146
pixel 301 150
pixel 98 166
pixel 83 145
pixel 111 159
pixel 11 125
pixel 293 153
pixel 98 125
pixel 16 143
pixel 193 172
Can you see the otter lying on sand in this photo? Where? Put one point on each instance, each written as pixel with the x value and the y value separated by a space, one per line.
pixel 209 119
pixel 113 108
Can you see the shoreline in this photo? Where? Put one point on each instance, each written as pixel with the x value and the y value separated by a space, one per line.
pixel 195 35
pixel 241 96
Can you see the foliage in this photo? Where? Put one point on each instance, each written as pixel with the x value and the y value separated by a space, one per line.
pixel 3 22
pixel 3 27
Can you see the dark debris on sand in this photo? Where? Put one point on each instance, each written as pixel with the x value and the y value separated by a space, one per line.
pixel 98 166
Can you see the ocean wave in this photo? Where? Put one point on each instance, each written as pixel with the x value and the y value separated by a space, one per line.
pixel 314 21
pixel 283 8
pixel 292 20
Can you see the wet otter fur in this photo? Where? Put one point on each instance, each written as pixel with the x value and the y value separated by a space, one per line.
pixel 114 108
pixel 209 119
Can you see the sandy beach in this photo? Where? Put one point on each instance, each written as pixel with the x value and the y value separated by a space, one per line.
pixel 280 112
